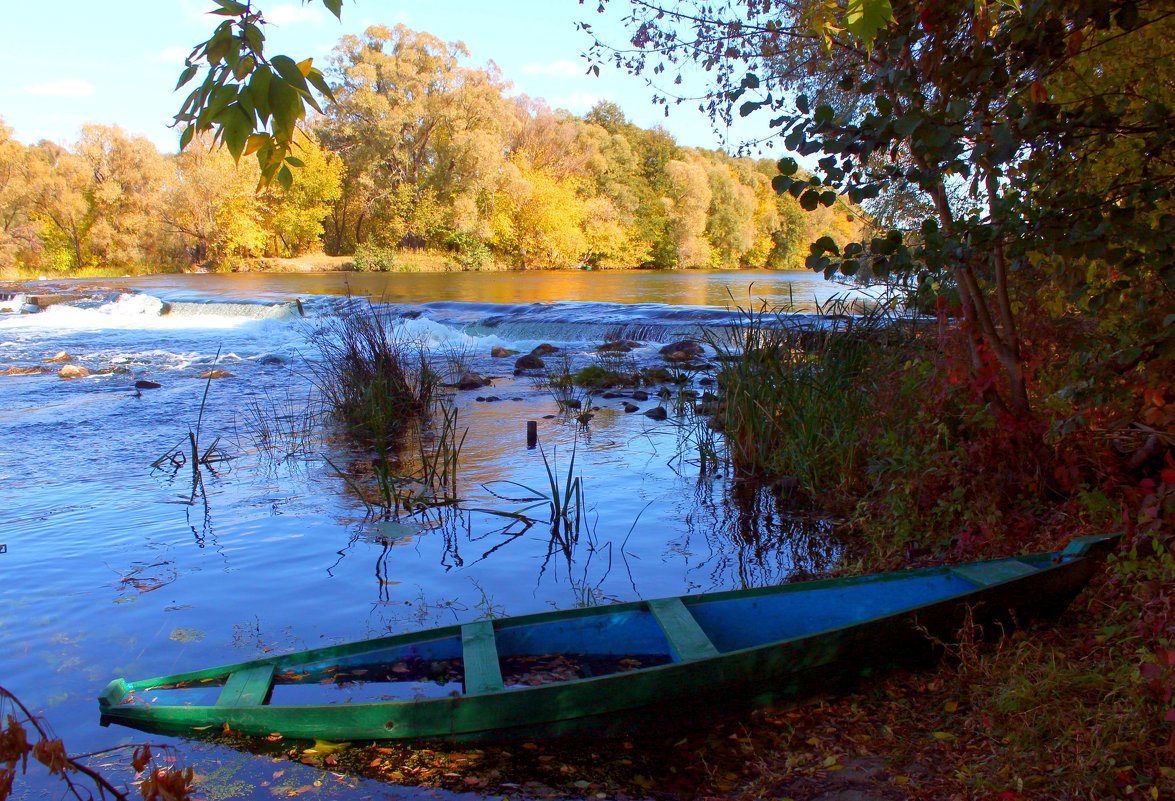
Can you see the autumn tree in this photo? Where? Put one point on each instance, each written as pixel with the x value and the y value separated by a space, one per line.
pixel 960 106
pixel 18 231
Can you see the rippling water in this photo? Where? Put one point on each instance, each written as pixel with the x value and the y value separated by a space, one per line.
pixel 114 567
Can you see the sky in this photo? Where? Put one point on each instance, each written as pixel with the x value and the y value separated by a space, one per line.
pixel 70 62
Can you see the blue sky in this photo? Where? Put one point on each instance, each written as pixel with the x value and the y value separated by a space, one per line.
pixel 69 62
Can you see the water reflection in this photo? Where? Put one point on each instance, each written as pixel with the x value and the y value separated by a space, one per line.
pixel 753 537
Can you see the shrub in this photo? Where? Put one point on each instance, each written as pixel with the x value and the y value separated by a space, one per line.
pixel 371 258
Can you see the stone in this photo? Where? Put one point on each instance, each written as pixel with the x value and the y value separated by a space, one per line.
pixel 640 395
pixel 143 383
pixel 216 374
pixel 472 381
pixel 529 362
pixel 629 408
pixel 498 352
pixel 60 356
pixel 24 371
pixel 682 350
pixel 544 349
pixel 73 371
pixel 657 413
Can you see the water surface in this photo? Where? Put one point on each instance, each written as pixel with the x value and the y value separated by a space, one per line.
pixel 117 568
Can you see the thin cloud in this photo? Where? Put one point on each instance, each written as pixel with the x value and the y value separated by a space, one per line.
pixel 576 101
pixel 563 68
pixel 290 14
pixel 66 87
pixel 172 55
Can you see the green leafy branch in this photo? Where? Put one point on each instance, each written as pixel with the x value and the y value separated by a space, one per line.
pixel 251 103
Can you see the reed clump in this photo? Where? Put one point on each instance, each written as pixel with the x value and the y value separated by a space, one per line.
pixel 798 392
pixel 373 380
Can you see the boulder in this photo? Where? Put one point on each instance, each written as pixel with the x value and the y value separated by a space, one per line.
pixel 657 413
pixel 24 371
pixel 60 356
pixel 216 374
pixel 544 350
pixel 629 408
pixel 498 352
pixel 529 362
pixel 472 381
pixel 143 383
pixel 682 350
pixel 73 371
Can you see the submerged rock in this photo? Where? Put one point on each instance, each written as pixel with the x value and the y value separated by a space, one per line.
pixel 620 346
pixel 657 413
pixel 544 349
pixel 143 383
pixel 498 352
pixel 629 408
pixel 25 371
pixel 216 374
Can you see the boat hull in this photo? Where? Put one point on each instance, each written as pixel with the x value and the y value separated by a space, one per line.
pixel 711 669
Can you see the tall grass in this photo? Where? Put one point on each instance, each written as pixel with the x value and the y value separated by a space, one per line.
pixel 798 391
pixel 372 380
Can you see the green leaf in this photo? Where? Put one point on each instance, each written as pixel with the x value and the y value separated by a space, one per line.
pixel 802 104
pixel 810 200
pixel 315 78
pixel 747 108
pixel 294 161
pixel 787 166
pixel 828 198
pixel 865 18
pixel 335 7
pixel 259 89
pixel 289 71
pixel 285 177
pixel 780 184
pixel 232 7
pixel 187 75
pixel 186 136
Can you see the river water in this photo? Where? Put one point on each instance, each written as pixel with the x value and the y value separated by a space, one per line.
pixel 115 567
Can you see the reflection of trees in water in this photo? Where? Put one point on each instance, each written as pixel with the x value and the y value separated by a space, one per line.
pixel 753 538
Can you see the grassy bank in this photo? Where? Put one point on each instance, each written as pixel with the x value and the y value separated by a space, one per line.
pixel 881 427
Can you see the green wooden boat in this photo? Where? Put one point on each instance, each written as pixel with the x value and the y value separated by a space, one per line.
pixel 603 670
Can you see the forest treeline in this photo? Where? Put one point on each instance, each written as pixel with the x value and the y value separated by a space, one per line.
pixel 419 152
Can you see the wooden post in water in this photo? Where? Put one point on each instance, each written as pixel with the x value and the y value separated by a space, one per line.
pixel 532 434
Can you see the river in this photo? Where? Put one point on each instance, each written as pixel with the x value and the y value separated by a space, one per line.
pixel 115 567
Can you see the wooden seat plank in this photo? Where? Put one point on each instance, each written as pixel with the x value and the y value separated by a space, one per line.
pixel 248 687
pixel 483 673
pixel 685 636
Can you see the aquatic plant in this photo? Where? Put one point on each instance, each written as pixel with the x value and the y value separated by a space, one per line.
pixel 797 397
pixel 372 379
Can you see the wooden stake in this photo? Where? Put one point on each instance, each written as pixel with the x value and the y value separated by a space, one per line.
pixel 532 434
